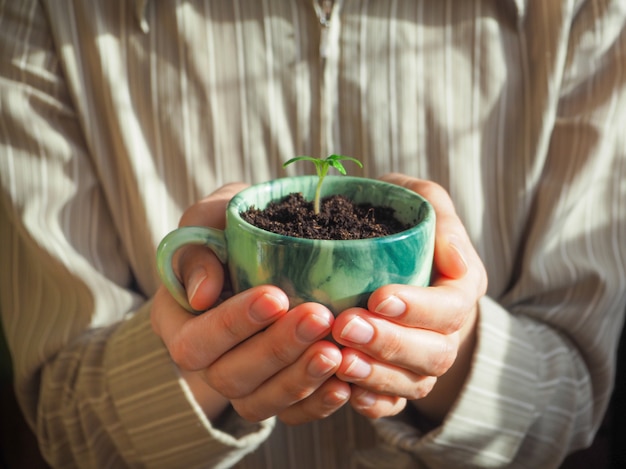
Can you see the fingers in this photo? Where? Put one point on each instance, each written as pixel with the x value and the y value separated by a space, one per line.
pixel 389 363
pixel 299 392
pixel 283 369
pixel 252 352
pixel 441 308
pixel 390 359
pixel 459 279
pixel 374 405
pixel 383 378
pixel 268 362
pixel 326 400
pixel 410 338
pixel 248 349
pixel 276 348
pixel 195 342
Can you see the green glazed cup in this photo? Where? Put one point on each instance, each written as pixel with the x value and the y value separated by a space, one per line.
pixel 337 274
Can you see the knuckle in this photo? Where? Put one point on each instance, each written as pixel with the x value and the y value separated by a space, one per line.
pixel 221 380
pixel 280 355
pixel 438 189
pixel 384 384
pixel 247 412
pixel 459 305
pixel 392 346
pixel 444 358
pixel 230 326
pixel 182 353
pixel 456 322
pixel 423 389
pixel 297 392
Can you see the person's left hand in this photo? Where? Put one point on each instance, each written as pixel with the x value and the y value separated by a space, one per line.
pixel 409 337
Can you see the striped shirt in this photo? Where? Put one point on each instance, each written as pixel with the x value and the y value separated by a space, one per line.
pixel 117 115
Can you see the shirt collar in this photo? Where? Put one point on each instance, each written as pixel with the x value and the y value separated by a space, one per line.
pixel 519 7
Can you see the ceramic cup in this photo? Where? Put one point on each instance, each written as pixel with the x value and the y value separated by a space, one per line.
pixel 338 274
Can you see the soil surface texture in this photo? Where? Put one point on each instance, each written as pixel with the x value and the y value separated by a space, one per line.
pixel 339 219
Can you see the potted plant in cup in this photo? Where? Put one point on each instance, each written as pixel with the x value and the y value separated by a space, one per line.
pixel 334 217
pixel 339 273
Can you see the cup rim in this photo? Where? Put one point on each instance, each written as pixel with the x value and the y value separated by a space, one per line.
pixel 233 210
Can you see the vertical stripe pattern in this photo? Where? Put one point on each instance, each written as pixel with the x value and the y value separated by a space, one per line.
pixel 117 115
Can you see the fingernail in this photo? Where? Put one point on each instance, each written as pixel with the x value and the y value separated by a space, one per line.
pixel 313 327
pixel 266 307
pixel 335 398
pixel 358 331
pixel 365 399
pixel 320 366
pixel 358 369
pixel 198 275
pixel 391 307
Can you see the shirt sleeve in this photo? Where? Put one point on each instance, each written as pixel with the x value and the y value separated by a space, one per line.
pixel 91 376
pixel 544 364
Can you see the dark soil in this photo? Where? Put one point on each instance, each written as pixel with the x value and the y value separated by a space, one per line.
pixel 339 219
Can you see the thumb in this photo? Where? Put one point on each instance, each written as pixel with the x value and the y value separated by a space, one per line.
pixel 199 268
pixel 203 276
pixel 452 244
pixel 450 261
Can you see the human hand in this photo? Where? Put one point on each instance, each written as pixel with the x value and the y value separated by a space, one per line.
pixel 415 343
pixel 249 350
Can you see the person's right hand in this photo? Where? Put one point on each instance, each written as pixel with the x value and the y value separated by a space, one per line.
pixel 250 350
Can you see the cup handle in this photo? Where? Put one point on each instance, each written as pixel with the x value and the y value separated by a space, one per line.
pixel 212 238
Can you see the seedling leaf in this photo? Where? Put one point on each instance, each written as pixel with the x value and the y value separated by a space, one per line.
pixel 321 168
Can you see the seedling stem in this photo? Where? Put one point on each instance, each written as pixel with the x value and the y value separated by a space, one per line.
pixel 322 165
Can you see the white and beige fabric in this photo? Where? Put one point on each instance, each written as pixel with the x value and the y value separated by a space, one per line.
pixel 117 115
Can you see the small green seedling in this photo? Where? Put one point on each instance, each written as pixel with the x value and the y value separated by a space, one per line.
pixel 321 167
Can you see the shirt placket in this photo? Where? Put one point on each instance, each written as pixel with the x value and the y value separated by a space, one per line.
pixel 328 13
